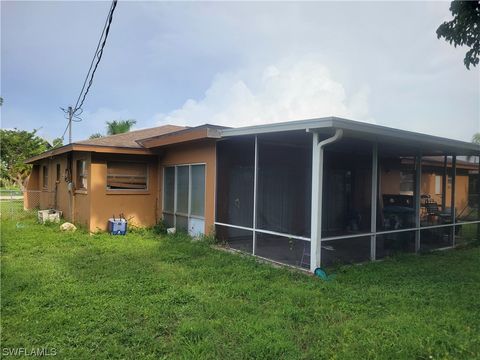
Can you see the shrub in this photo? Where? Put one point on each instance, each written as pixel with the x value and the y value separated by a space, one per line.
pixel 160 228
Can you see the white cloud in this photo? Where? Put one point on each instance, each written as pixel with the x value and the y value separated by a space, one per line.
pixel 292 89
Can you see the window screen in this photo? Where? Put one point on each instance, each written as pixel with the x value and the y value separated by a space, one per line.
pixel 198 190
pixel 169 190
pixel 466 189
pixel 184 195
pixel 347 188
pixel 284 183
pixel 235 176
pixel 126 176
pixel 396 192
pixel 182 189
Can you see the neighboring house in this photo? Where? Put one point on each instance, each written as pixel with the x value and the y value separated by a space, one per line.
pixel 304 193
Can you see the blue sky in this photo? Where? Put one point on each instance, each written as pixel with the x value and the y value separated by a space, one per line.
pixel 236 64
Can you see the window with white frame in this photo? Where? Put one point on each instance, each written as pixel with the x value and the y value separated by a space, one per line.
pixel 127 176
pixel 184 197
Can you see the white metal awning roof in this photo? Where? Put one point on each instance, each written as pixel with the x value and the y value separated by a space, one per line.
pixel 427 144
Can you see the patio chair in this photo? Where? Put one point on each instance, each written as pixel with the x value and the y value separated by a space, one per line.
pixel 434 215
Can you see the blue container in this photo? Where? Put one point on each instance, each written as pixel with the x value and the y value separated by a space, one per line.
pixel 117 226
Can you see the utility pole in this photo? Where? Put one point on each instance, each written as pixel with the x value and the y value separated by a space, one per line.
pixel 70 116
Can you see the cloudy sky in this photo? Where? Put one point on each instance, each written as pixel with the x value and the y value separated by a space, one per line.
pixel 236 64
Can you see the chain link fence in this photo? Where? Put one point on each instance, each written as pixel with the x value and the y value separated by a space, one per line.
pixel 15 203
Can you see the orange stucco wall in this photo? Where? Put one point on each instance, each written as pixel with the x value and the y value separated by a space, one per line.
pixel 55 194
pixel 195 152
pixel 138 206
pixel 390 184
pixel 461 190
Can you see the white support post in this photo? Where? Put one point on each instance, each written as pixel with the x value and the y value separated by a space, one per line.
pixel 444 182
pixel 418 192
pixel 373 216
pixel 255 177
pixel 452 201
pixel 317 193
pixel 175 193
pixel 478 197
pixel 316 216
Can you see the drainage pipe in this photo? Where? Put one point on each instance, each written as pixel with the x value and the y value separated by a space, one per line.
pixel 317 194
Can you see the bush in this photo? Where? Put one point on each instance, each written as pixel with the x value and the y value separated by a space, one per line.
pixel 160 228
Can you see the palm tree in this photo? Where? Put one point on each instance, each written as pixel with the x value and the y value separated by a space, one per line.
pixel 119 126
pixel 95 136
pixel 476 138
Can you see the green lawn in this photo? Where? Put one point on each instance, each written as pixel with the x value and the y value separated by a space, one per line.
pixel 145 296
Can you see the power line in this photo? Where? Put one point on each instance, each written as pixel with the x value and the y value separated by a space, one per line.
pixel 73 113
pixel 98 56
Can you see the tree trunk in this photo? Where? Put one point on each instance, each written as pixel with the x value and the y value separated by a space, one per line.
pixel 21 182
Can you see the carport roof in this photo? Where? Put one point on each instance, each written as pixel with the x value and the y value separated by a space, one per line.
pixel 427 144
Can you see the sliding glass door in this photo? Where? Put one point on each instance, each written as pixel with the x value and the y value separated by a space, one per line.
pixel 184 198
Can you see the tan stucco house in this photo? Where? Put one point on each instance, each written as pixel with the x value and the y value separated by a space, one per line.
pixel 92 180
pixel 305 193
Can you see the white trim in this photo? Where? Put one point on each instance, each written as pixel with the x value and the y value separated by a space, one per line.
pixel 189 200
pixel 418 192
pixel 316 205
pixel 255 178
pixel 290 236
pixel 340 237
pixel 175 199
pixel 215 180
pixel 183 164
pixel 365 130
pixel 373 214
pixel 467 222
pixel 452 200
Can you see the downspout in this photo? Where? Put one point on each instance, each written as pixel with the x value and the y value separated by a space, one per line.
pixel 317 195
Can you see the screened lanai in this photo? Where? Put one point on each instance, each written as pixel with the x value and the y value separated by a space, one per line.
pixel 322 192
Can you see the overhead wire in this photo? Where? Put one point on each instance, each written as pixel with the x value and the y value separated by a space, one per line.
pixel 98 55
pixel 87 83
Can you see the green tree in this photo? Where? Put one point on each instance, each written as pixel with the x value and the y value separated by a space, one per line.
pixel 57 142
pixel 95 136
pixel 476 138
pixel 119 126
pixel 464 29
pixel 1 101
pixel 17 146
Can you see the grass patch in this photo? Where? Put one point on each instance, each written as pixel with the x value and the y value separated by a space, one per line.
pixel 151 296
